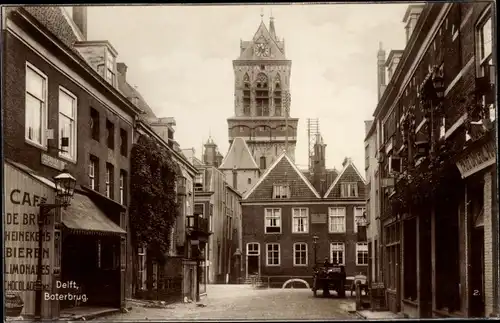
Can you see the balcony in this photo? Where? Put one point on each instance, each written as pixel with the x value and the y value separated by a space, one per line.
pixel 197 227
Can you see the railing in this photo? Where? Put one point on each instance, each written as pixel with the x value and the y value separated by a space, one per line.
pixel 197 223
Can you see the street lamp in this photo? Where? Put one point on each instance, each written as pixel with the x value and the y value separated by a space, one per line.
pixel 315 246
pixel 65 188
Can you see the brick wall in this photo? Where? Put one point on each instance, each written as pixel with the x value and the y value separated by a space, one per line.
pixel 282 172
pixel 16 56
pixel 253 231
pixel 489 261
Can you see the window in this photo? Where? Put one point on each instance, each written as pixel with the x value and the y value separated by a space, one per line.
pixel 485 40
pixel 123 142
pixel 67 124
pixel 300 218
pixel 110 133
pixel 262 161
pixel 273 254
pixel 246 95
pixel 349 189
pixel 442 128
pixel 336 219
pixel 109 180
pixel 94 124
pixel 337 253
pixel 300 254
pixel 123 185
pixel 273 220
pixel 277 97
pixel 242 129
pixel 262 95
pixel 249 180
pixel 361 253
pixel 110 68
pixel 36 108
pixel 281 191
pixel 358 216
pixel 93 172
pixel 253 249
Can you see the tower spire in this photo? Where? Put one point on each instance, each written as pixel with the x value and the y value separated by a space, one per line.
pixel 272 30
pixel 261 13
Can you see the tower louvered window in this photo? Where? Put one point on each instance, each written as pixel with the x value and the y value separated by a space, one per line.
pixel 246 95
pixel 262 95
pixel 277 97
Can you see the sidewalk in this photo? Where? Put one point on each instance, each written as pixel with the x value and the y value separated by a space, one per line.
pixel 86 313
pixel 378 315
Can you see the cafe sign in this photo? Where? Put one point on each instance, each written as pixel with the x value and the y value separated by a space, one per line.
pixel 477 160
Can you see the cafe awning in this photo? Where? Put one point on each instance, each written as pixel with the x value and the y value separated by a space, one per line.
pixel 84 217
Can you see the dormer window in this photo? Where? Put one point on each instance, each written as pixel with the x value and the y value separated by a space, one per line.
pixel 110 67
pixel 349 190
pixel 281 191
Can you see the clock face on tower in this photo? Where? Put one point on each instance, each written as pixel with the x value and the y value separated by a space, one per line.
pixel 261 50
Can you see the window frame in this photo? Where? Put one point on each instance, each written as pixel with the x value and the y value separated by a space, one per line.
pixel 92 169
pixel 363 209
pixel 253 253
pixel 300 216
pixel 44 113
pixel 278 251
pixel 280 188
pixel 330 216
pixel 122 185
pixel 306 253
pixel 347 186
pixel 337 243
pixel 108 182
pixel 109 67
pixel 110 135
pixel 266 216
pixel 361 250
pixel 73 140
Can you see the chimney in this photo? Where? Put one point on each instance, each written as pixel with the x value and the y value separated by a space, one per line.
pixel 210 155
pixel 410 19
pixel 319 161
pixel 380 71
pixel 393 61
pixel 122 69
pixel 235 179
pixel 80 19
pixel 346 161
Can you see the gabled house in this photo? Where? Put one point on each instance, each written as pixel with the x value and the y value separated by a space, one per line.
pixel 239 167
pixel 282 213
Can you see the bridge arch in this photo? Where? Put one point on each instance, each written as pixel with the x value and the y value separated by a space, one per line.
pixel 295 280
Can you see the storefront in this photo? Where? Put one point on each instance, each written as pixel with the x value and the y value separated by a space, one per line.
pixel 83 249
pixel 23 195
pixel 477 166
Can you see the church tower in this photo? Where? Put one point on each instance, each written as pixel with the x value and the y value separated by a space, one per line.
pixel 262 97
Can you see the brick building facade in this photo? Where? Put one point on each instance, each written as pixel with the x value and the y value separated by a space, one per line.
pixel 284 211
pixel 436 166
pixel 59 112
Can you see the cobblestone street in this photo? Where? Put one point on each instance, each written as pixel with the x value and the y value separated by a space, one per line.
pixel 244 302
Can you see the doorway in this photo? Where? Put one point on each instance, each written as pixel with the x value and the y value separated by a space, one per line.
pixel 253 259
pixel 477 273
pixel 253 265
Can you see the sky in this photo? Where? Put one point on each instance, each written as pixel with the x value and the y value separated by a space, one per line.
pixel 180 59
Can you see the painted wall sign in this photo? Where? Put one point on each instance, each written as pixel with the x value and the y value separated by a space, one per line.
pixel 477 160
pixel 318 218
pixel 50 161
pixel 22 198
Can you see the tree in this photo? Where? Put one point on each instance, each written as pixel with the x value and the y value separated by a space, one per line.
pixel 153 204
